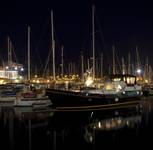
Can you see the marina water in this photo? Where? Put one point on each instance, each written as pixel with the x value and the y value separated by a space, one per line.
pixel 28 129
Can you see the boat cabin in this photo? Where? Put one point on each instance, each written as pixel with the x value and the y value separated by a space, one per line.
pixel 127 78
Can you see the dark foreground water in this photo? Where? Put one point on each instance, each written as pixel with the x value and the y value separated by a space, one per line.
pixel 120 128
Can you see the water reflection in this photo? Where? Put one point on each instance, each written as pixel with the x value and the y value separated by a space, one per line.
pixel 23 128
pixel 28 129
pixel 113 121
pixel 87 128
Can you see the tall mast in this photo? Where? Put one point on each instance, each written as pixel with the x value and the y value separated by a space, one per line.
pixel 88 64
pixel 113 49
pixel 93 39
pixel 53 44
pixel 101 70
pixel 62 60
pixel 8 49
pixel 147 70
pixel 82 66
pixel 138 60
pixel 129 64
pixel 28 53
pixel 9 52
pixel 123 66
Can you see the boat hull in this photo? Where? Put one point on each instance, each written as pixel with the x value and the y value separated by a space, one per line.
pixel 75 100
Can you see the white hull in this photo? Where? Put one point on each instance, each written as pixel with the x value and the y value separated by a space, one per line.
pixel 31 102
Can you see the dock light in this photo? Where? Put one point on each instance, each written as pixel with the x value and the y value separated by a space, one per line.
pixel 6 67
pixel 20 77
pixel 22 69
pixel 89 81
pixel 37 81
pixel 16 68
pixel 2 81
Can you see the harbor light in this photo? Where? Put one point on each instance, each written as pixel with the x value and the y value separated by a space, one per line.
pixel 138 71
pixel 1 81
pixel 89 81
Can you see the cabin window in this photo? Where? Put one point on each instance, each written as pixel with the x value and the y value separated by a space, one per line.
pixel 130 80
pixel 117 79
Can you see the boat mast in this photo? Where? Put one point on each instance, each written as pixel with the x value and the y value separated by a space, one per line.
pixel 101 70
pixel 146 73
pixel 53 44
pixel 138 59
pixel 113 49
pixel 9 52
pixel 93 39
pixel 129 64
pixel 28 53
pixel 62 64
pixel 82 66
pixel 123 66
pixel 88 64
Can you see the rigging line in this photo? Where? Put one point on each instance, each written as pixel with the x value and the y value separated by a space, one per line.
pixel 36 51
pixel 47 62
pixel 14 54
pixel 41 36
pixel 119 63
pixel 13 49
pixel 105 48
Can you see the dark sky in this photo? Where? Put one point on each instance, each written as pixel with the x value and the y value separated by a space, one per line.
pixel 126 25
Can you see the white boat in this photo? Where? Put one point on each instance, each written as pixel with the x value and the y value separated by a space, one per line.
pixel 124 85
pixel 118 86
pixel 35 98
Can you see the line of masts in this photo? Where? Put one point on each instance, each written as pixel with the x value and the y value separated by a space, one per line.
pixel 114 71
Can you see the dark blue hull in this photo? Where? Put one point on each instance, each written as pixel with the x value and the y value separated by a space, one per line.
pixel 78 100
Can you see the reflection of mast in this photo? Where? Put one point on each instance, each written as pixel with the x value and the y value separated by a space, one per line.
pixel 53 45
pixel 29 121
pixel 11 129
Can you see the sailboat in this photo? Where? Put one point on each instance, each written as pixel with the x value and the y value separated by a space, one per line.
pixel 30 96
pixel 62 99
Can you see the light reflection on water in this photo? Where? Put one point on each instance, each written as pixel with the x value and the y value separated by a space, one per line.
pixel 27 129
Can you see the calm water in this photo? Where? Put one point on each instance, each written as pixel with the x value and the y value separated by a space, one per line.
pixel 27 129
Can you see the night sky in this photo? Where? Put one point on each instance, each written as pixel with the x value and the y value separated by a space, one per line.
pixel 126 25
